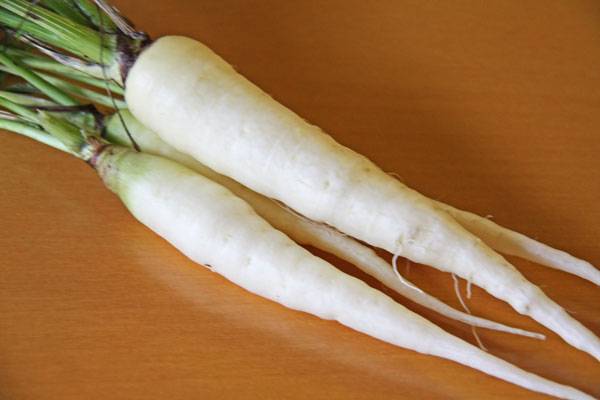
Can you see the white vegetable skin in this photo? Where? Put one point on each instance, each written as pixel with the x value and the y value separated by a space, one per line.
pixel 298 228
pixel 201 106
pixel 211 226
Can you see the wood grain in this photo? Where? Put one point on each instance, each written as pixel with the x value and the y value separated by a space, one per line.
pixel 491 106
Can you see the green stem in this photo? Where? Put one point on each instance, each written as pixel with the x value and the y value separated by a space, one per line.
pixel 41 63
pixel 67 9
pixel 72 137
pixel 51 91
pixel 99 20
pixel 47 65
pixel 18 109
pixel 22 25
pixel 21 87
pixel 26 100
pixel 84 93
pixel 57 31
pixel 32 133
pixel 84 117
pixel 52 86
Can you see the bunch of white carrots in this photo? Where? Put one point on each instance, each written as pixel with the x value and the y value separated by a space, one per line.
pixel 191 114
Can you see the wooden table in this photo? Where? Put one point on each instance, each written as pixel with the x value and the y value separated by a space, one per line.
pixel 493 106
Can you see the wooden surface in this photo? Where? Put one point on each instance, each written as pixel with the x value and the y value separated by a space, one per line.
pixel 492 106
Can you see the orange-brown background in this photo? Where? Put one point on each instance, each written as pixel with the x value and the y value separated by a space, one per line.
pixel 492 106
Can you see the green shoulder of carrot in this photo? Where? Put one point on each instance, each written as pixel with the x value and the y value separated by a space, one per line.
pixel 380 211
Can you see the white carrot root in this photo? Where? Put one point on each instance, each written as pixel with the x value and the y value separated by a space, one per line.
pixel 302 230
pixel 516 244
pixel 200 105
pixel 211 226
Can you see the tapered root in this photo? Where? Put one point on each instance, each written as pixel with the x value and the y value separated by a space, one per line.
pixel 478 359
pixel 528 299
pixel 557 319
pixel 516 244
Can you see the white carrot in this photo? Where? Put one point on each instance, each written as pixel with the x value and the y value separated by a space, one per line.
pixel 213 227
pixel 301 230
pixel 200 105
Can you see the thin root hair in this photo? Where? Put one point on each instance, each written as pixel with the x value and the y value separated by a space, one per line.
pixel 467 310
pixel 400 277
